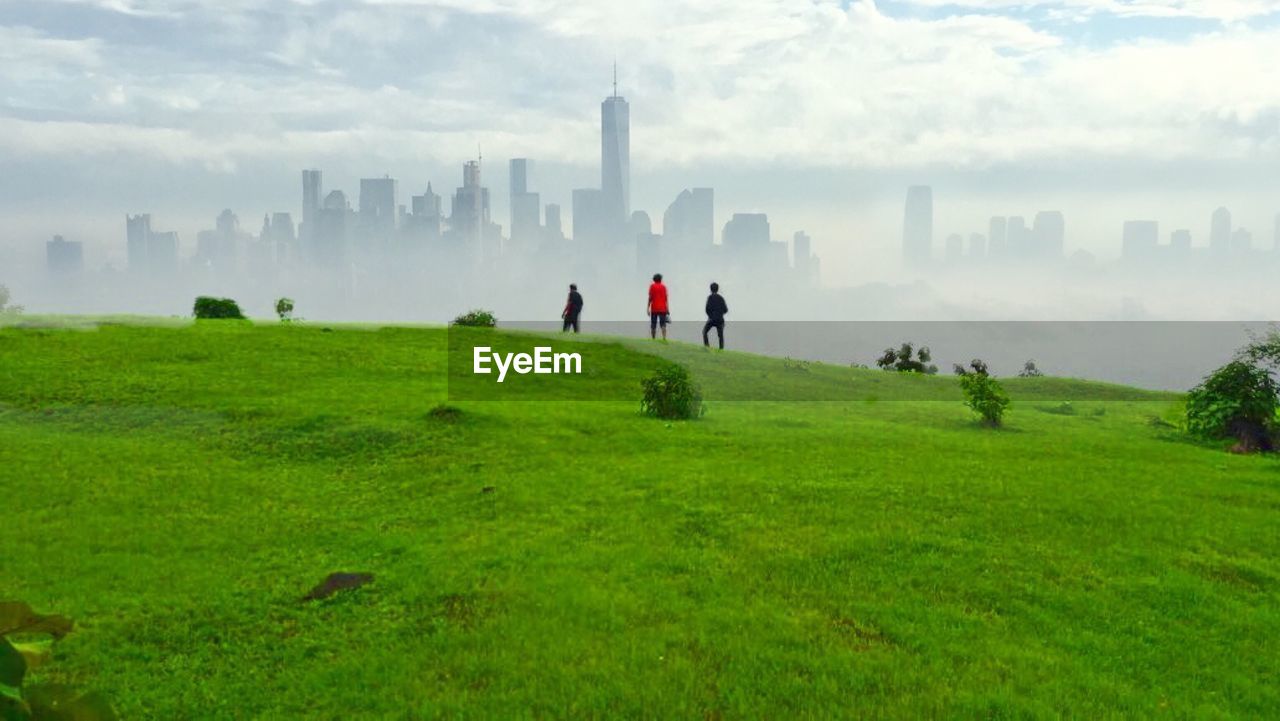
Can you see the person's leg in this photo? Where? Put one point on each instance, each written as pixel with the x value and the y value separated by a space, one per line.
pixel 653 325
pixel 565 329
pixel 664 326
pixel 720 333
pixel 576 327
pixel 706 328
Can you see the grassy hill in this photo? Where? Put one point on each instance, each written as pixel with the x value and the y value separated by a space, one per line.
pixel 178 489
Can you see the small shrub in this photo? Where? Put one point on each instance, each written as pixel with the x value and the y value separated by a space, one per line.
pixel 1029 370
pixel 977 365
pixel 1239 400
pixel 26 641
pixel 476 319
pixel 207 308
pixel 792 364
pixel 671 394
pixel 5 307
pixel 284 309
pixel 900 359
pixel 982 393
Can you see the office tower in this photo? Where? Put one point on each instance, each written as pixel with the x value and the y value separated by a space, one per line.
pixel 690 219
pixel 555 230
pixel 329 239
pixel 802 258
pixel 639 224
pixel 428 215
pixel 745 232
pixel 615 158
pixel 917 226
pixel 469 213
pixel 138 234
pixel 378 207
pixel 1220 231
pixel 526 207
pixel 1049 232
pixel 279 238
pixel 997 236
pixel 64 257
pixel 977 245
pixel 954 248
pixel 1180 240
pixel 312 192
pixel 589 219
pixel 218 249
pixel 1241 241
pixel 1141 238
pixel 162 252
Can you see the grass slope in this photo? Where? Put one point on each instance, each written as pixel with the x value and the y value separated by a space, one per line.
pixel 178 489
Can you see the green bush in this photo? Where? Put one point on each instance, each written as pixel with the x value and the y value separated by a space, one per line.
pixel 476 319
pixel 900 359
pixel 208 308
pixel 26 641
pixel 1239 400
pixel 284 309
pixel 670 393
pixel 5 307
pixel 982 393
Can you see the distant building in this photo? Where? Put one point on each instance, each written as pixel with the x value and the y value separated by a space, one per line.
pixel 590 224
pixel 1049 233
pixel 1180 240
pixel 554 229
pixel 329 240
pixel 423 226
pixel 1220 232
pixel 745 232
pixel 312 194
pixel 615 159
pixel 690 219
pixel 150 252
pixel 917 226
pixel 378 208
pixel 469 213
pixel 219 249
pixel 1241 241
pixel 803 259
pixel 526 207
pixel 138 234
pixel 64 257
pixel 1141 238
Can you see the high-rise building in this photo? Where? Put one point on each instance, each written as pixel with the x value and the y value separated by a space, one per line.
pixel 138 234
pixel 1141 238
pixel 219 249
pixel 803 259
pixel 590 225
pixel 917 226
pixel 1220 231
pixel 745 232
pixel 1180 240
pixel 555 229
pixel 997 236
pixel 64 257
pixel 378 207
pixel 526 207
pixel 1049 233
pixel 162 252
pixel 329 239
pixel 690 219
pixel 312 193
pixel 469 213
pixel 615 158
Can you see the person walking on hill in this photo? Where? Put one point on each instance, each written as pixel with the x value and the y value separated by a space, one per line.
pixel 717 309
pixel 659 312
pixel 572 309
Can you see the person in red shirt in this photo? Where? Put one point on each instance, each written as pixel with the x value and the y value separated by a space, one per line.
pixel 657 309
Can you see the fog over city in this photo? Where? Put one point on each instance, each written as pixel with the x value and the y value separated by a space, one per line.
pixel 915 160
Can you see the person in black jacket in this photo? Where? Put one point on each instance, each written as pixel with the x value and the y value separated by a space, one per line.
pixel 716 311
pixel 572 308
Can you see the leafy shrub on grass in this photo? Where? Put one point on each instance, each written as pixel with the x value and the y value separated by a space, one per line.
pixel 476 319
pixel 284 309
pixel 1029 370
pixel 209 308
pixel 982 393
pixel 671 394
pixel 900 359
pixel 1239 400
pixel 26 641
pixel 5 307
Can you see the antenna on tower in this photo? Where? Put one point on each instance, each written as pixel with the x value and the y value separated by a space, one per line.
pixel 615 77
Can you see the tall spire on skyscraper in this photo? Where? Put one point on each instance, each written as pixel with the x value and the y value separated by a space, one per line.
pixel 615 78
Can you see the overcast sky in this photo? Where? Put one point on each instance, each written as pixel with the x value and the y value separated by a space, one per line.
pixel 819 113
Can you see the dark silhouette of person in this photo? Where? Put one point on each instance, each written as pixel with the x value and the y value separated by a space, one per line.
pixel 659 312
pixel 572 309
pixel 717 309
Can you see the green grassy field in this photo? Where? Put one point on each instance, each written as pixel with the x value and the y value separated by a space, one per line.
pixel 176 490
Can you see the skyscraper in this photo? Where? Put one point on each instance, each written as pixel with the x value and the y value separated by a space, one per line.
pixel 1049 230
pixel 615 158
pixel 690 219
pixel 555 229
pixel 590 225
pixel 526 207
pixel 312 192
pixel 1220 231
pixel 917 226
pixel 64 257
pixel 138 235
pixel 378 207
pixel 469 214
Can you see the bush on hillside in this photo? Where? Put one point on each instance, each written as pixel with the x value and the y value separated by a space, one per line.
pixel 1239 400
pixel 284 309
pixel 208 308
pixel 901 360
pixel 982 393
pixel 671 394
pixel 5 307
pixel 476 319
pixel 1029 370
